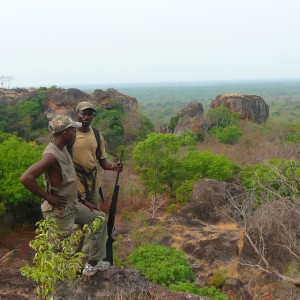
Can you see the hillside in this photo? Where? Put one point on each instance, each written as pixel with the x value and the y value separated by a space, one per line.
pixel 190 210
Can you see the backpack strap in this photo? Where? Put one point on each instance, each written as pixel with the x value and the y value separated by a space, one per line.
pixel 98 150
pixel 98 155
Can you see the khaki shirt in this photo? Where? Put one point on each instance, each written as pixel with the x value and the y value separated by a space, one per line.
pixel 84 150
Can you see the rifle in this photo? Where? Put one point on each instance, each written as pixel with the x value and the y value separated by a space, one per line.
pixel 111 218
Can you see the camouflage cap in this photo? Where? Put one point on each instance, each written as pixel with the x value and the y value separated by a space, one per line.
pixel 84 105
pixel 62 122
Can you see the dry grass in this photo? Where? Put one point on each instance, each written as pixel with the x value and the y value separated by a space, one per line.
pixel 224 226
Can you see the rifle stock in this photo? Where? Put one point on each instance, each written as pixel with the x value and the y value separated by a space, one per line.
pixel 111 218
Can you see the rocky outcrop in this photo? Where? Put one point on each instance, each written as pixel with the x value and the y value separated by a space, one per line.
pixel 189 118
pixel 207 197
pixel 249 107
pixel 202 213
pixel 64 101
pixel 274 230
pixel 115 283
pixel 12 96
pixel 129 104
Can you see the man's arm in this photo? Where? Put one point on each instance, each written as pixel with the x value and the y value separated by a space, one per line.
pixel 106 165
pixel 29 177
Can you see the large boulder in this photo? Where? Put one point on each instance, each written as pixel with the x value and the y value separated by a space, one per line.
pixel 274 230
pixel 129 104
pixel 207 198
pixel 190 118
pixel 12 96
pixel 64 101
pixel 249 107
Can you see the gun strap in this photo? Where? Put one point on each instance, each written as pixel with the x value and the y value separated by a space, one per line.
pixel 84 176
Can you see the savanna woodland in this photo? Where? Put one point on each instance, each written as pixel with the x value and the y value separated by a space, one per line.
pixel 211 212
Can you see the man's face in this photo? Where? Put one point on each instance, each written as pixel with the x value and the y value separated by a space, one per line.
pixel 70 134
pixel 85 117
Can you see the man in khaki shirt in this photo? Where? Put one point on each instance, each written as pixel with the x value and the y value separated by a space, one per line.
pixel 85 153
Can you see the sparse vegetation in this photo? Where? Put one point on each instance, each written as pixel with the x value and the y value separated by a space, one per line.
pixel 56 260
pixel 264 157
pixel 162 265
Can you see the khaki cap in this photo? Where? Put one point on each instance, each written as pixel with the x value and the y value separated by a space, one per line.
pixel 84 105
pixel 62 122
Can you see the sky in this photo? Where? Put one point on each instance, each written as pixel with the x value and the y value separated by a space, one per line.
pixel 78 42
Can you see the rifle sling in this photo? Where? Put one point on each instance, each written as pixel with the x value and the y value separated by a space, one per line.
pixel 84 175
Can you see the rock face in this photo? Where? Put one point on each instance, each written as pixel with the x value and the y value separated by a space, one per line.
pixel 64 101
pixel 11 96
pixel 274 229
pixel 249 107
pixel 190 118
pixel 115 283
pixel 207 197
pixel 130 104
pixel 209 245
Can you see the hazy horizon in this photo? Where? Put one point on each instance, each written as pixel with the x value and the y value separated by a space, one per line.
pixel 76 42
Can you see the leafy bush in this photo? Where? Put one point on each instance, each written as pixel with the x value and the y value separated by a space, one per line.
pixel 218 279
pixel 272 179
pixel 293 269
pixel 227 135
pixel 221 116
pixel 183 192
pixel 157 158
pixel 55 260
pixel 109 123
pixel 162 265
pixel 16 156
pixel 173 123
pixel 187 287
pixel 204 164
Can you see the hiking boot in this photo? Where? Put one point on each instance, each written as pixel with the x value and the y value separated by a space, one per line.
pixel 92 270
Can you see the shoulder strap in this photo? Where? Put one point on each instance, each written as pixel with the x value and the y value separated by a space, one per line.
pixel 70 148
pixel 98 150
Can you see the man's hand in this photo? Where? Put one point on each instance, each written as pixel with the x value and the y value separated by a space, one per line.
pixel 57 201
pixel 117 167
pixel 90 205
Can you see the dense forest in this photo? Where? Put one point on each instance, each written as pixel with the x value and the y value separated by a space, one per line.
pixel 161 171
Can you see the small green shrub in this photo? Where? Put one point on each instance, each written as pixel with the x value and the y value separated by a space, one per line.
pixel 117 259
pixel 227 135
pixel 2 209
pixel 187 287
pixel 271 179
pixel 183 192
pixel 218 279
pixel 162 265
pixel 55 261
pixel 171 208
pixel 293 269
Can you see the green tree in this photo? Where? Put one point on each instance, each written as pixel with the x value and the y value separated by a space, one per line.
pixel 109 123
pixel 15 157
pixel 221 116
pixel 272 179
pixel 226 135
pixel 203 164
pixel 158 157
